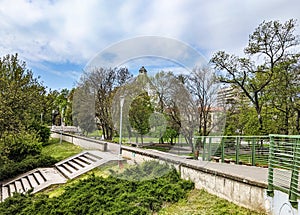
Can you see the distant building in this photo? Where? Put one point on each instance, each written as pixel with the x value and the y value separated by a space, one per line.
pixel 230 96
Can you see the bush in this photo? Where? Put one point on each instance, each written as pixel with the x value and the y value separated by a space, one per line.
pixel 112 195
pixel 16 148
pixel 42 131
pixel 12 169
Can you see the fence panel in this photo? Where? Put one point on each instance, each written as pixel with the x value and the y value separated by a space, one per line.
pixel 248 150
pixel 284 164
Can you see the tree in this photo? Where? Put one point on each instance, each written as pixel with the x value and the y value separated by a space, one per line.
pixel 62 105
pixel 139 114
pixel 99 85
pixel 203 85
pixel 270 42
pixel 282 93
pixel 21 96
pixel 164 84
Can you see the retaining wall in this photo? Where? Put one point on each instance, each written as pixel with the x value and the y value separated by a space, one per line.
pixel 86 143
pixel 246 193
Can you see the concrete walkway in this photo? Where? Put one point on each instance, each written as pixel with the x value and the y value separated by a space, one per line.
pixel 250 174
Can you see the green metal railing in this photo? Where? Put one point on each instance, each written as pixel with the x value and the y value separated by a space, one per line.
pixel 248 150
pixel 284 164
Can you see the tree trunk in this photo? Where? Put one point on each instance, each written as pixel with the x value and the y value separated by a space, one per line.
pixel 161 140
pixel 142 140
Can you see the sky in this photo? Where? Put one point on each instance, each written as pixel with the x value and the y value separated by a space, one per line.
pixel 58 38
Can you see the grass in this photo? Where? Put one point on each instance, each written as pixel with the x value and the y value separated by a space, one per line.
pixel 62 150
pixel 197 201
pixel 201 202
pixel 103 171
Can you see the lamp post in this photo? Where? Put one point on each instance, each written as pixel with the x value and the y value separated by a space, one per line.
pixel 61 124
pixel 121 116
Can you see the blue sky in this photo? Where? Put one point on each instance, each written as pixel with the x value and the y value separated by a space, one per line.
pixel 57 39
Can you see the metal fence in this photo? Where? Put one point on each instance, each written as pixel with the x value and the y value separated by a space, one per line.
pixel 284 164
pixel 247 150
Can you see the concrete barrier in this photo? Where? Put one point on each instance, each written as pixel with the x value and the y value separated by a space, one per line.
pixel 84 142
pixel 244 192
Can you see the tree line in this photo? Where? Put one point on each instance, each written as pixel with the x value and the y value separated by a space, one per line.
pixel 265 80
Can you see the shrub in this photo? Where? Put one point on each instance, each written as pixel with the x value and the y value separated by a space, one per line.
pixel 16 148
pixel 12 169
pixel 43 132
pixel 112 195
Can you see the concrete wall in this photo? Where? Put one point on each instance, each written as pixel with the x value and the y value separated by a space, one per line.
pixel 239 192
pixel 83 142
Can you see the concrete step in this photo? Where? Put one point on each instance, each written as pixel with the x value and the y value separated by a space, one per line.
pixel 19 186
pixel 5 192
pixel 12 188
pixel 75 165
pixel 84 160
pixel 26 184
pixel 32 180
pixel 39 177
pixel 81 163
pixel 90 157
pixel 37 180
pixel 69 167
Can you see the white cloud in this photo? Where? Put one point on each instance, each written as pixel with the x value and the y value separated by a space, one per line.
pixel 75 30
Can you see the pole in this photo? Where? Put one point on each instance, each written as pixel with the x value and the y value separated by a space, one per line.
pixel 121 116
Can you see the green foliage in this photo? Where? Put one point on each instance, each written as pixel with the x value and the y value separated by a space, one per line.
pixel 11 168
pixel 21 96
pixel 43 133
pixel 268 76
pixel 16 148
pixel 112 195
pixel 140 112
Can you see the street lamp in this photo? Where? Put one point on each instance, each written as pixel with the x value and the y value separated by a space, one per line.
pixel 121 116
pixel 61 124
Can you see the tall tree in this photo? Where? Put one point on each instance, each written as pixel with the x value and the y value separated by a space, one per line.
pixel 282 93
pixel 139 114
pixel 270 43
pixel 203 85
pixel 101 84
pixel 21 96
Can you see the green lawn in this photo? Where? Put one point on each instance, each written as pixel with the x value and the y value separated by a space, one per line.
pixel 62 150
pixel 201 202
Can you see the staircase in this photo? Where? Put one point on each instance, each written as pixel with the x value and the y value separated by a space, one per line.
pixel 79 164
pixel 36 180
pixel 41 178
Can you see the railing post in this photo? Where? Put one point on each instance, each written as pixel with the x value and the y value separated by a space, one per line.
pixel 209 149
pixel 222 148
pixel 203 154
pixel 237 150
pixel 270 190
pixel 253 151
pixel 295 175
